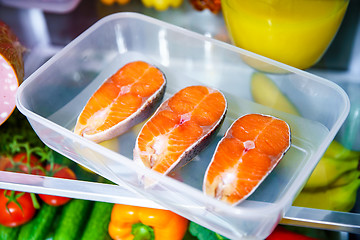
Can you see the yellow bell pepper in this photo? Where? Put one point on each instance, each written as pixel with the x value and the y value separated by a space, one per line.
pixel 140 223
pixel 162 5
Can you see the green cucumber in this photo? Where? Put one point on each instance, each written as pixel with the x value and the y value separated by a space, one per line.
pixel 38 227
pixel 54 225
pixel 72 220
pixel 8 233
pixel 97 226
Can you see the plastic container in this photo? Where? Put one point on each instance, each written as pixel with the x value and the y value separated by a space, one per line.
pixel 349 133
pixel 53 96
pixel 56 6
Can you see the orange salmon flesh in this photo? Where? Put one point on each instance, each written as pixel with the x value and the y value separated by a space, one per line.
pixel 178 126
pixel 248 152
pixel 118 99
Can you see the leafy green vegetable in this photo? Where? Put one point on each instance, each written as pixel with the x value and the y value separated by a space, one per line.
pixel 17 135
pixel 203 233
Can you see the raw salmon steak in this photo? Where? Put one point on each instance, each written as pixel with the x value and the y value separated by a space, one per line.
pixel 249 151
pixel 125 99
pixel 181 127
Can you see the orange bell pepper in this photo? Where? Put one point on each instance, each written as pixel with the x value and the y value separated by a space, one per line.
pixel 111 2
pixel 140 223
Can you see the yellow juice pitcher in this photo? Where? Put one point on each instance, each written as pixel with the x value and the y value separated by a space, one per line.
pixel 294 32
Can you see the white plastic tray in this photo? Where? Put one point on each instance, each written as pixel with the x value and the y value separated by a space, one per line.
pixel 53 96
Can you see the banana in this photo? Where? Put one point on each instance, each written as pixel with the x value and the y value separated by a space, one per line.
pixel 338 151
pixel 265 92
pixel 345 178
pixel 335 199
pixel 327 171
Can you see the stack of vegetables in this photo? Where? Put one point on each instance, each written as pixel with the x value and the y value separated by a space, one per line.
pixel 334 182
pixel 28 215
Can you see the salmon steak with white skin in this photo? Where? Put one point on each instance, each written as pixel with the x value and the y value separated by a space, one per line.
pixel 125 99
pixel 181 127
pixel 249 151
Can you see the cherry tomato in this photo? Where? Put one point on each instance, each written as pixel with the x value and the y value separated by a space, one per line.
pixel 60 172
pixel 20 163
pixel 16 208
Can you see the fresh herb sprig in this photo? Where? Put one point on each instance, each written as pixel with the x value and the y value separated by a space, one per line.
pixel 17 136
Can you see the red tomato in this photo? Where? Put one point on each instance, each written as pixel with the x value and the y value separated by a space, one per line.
pixel 21 164
pixel 16 208
pixel 60 172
